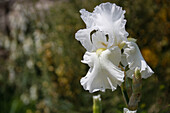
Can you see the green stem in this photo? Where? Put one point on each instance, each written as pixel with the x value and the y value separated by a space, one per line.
pixel 124 93
pixel 97 106
pixel 123 88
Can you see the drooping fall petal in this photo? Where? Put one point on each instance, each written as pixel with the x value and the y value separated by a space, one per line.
pixel 104 72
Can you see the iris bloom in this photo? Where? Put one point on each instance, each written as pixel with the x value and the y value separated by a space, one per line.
pixel 103 61
pixel 103 38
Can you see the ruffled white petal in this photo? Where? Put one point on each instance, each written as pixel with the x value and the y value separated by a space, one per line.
pixel 83 35
pixel 109 18
pixel 86 17
pixel 135 59
pixel 103 73
pixel 125 110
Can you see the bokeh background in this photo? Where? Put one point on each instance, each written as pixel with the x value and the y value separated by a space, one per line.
pixel 40 64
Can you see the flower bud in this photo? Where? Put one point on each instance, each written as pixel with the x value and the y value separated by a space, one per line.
pixel 137 73
pixel 136 88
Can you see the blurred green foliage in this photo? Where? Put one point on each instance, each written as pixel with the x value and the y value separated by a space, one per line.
pixel 40 58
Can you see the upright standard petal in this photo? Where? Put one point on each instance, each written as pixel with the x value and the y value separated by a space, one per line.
pixel 86 17
pixel 135 59
pixel 109 18
pixel 99 40
pixel 104 72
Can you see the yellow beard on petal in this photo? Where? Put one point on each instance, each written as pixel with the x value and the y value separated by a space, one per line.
pixel 121 45
pixel 99 51
pixel 104 44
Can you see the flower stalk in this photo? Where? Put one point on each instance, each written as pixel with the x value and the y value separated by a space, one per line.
pixel 124 93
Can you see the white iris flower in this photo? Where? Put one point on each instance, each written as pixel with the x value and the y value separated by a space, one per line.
pixel 103 38
pixel 103 62
pixel 105 31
